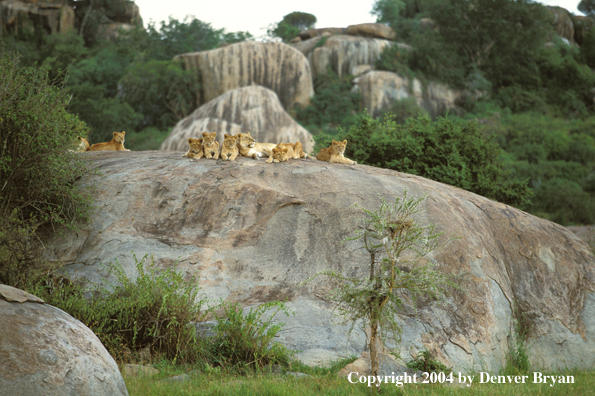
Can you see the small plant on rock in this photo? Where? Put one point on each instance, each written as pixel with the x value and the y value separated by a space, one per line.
pixel 399 261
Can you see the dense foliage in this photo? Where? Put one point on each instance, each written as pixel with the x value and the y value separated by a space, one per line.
pixel 446 150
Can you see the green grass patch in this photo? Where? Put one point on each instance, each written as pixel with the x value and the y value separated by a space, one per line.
pixel 217 383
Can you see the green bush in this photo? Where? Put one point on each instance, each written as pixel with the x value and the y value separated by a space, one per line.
pixel 426 363
pixel 155 309
pixel 446 150
pixel 333 103
pixel 246 341
pixel 161 91
pixel 37 168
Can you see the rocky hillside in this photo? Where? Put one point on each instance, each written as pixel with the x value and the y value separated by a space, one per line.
pixel 253 232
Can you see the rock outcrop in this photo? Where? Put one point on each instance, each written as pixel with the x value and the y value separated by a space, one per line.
pixel 253 232
pixel 250 109
pixel 341 52
pixel 562 22
pixel 376 30
pixel 54 16
pixel 276 66
pixel 381 88
pixel 45 351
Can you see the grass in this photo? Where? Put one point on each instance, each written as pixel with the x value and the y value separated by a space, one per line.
pixel 325 382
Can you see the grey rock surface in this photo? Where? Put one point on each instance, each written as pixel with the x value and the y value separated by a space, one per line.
pixel 253 232
pixel 45 351
pixel 253 109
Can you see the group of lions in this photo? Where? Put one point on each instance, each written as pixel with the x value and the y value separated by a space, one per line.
pixel 243 144
pixel 233 145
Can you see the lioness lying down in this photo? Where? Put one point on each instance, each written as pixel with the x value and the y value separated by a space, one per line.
pixel 116 144
pixel 249 148
pixel 195 150
pixel 334 153
pixel 284 151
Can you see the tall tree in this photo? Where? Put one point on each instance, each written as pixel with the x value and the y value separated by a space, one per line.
pixel 291 25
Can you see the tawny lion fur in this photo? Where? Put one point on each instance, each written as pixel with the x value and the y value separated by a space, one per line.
pixel 116 144
pixel 334 153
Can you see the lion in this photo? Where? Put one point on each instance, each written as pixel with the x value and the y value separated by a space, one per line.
pixel 195 151
pixel 82 145
pixel 229 149
pixel 249 148
pixel 116 144
pixel 210 146
pixel 334 153
pixel 284 151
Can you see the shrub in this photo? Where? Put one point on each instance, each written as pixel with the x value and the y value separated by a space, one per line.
pixel 247 340
pixel 426 363
pixel 333 103
pixel 156 309
pixel 37 168
pixel 448 151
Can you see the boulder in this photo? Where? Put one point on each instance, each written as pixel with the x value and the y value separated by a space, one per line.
pixel 45 351
pixel 253 232
pixel 381 88
pixel 55 17
pixel 562 22
pixel 276 66
pixel 341 52
pixel 376 30
pixel 582 24
pixel 252 109
pixel 307 34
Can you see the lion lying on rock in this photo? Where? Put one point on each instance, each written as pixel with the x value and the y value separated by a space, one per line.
pixel 116 144
pixel 334 153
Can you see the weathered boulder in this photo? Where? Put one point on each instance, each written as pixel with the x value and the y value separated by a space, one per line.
pixel 55 17
pixel 253 232
pixel 252 109
pixel 45 351
pixel 341 52
pixel 582 24
pixel 307 34
pixel 562 22
pixel 377 30
pixel 276 66
pixel 381 88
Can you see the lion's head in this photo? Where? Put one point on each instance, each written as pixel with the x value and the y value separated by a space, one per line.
pixel 119 136
pixel 230 141
pixel 208 139
pixel 280 153
pixel 246 140
pixel 338 147
pixel 83 144
pixel 195 145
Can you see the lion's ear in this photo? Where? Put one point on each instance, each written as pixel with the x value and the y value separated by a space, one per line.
pixel 334 141
pixel 189 140
pixel 344 141
pixel 115 134
pixel 285 149
pixel 123 132
pixel 204 134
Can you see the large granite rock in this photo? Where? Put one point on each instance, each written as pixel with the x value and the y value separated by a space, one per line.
pixel 341 52
pixel 252 109
pixel 45 351
pixel 253 232
pixel 379 89
pixel 561 21
pixel 276 66
pixel 54 16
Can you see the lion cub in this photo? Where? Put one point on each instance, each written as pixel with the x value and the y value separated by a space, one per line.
pixel 284 151
pixel 195 150
pixel 82 145
pixel 229 149
pixel 116 144
pixel 334 153
pixel 249 148
pixel 210 145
